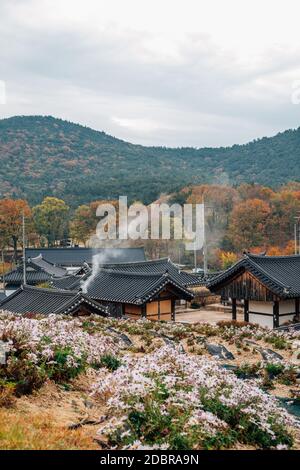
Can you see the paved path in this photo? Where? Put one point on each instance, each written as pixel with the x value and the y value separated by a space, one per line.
pixel 205 316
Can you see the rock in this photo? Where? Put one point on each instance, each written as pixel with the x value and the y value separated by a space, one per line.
pixel 291 405
pixel 122 336
pixel 268 354
pixel 88 404
pixel 201 339
pixel 169 341
pixel 125 339
pixel 219 351
pixel 229 367
pixel 249 341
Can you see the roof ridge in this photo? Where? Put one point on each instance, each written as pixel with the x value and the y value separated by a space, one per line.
pixel 130 263
pixel 28 287
pixel 131 273
pixel 270 257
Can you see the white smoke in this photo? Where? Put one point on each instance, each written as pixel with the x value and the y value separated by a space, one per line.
pixel 98 260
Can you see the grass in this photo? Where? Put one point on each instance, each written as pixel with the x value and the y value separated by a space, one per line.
pixel 37 432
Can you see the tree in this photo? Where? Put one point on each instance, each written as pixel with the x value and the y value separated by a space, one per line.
pixel 285 207
pixel 51 219
pixel 11 212
pixel 227 258
pixel 255 191
pixel 247 226
pixel 83 223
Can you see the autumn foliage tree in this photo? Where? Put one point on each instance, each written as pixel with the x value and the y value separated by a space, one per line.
pixel 82 224
pixel 248 224
pixel 227 258
pixel 11 213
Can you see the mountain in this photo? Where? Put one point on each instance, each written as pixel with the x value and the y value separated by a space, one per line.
pixel 41 155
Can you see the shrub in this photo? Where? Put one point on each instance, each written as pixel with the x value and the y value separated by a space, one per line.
pixel 24 374
pixel 7 392
pixel 274 369
pixel 279 342
pixel 110 362
pixel 164 395
pixel 247 371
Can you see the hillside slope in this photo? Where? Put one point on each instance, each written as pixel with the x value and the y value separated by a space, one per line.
pixel 46 156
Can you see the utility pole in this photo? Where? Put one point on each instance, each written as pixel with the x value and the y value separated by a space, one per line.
pixel 3 271
pixel 24 256
pixel 297 234
pixel 204 241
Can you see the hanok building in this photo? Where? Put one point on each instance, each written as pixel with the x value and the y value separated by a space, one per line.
pixel 138 295
pixel 73 258
pixel 29 299
pixel 268 286
pixel 146 289
pixel 38 271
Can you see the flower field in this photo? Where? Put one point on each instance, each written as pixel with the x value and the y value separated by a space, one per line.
pixel 144 385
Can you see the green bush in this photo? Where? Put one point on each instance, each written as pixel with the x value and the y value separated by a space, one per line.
pixel 110 362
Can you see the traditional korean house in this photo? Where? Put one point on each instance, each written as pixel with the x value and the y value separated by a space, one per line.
pixel 139 289
pixel 38 271
pixel 47 266
pixel 73 258
pixel 14 279
pixel 143 292
pixel 30 299
pixel 268 287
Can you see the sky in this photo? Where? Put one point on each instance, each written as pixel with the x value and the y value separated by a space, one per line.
pixel 155 72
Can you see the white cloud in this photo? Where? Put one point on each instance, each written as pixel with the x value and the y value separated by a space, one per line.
pixel 201 73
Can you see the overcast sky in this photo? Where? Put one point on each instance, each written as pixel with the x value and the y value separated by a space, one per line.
pixel 155 72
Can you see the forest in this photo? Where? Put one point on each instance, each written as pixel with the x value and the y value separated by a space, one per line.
pixel 247 217
pixel 43 156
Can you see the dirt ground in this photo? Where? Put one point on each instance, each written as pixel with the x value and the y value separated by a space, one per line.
pixel 205 316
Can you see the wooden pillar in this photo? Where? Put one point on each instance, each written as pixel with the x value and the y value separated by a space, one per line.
pixel 173 309
pixel 233 309
pixel 276 314
pixel 246 310
pixel 143 311
pixel 297 308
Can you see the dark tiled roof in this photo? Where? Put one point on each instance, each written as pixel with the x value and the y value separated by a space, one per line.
pixel 46 266
pixel 70 282
pixel 77 256
pixel 33 276
pixel 2 296
pixel 131 287
pixel 30 299
pixel 84 269
pixel 159 266
pixel 280 274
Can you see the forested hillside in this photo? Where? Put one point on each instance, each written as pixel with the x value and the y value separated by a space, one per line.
pixel 46 156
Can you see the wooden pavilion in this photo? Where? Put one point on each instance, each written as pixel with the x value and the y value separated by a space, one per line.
pixel 267 286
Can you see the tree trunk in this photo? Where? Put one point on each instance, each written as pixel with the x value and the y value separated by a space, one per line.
pixel 15 245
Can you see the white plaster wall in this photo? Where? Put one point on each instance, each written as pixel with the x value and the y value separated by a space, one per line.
pixel 287 306
pixel 9 291
pixel 285 319
pixel 261 307
pixel 262 320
